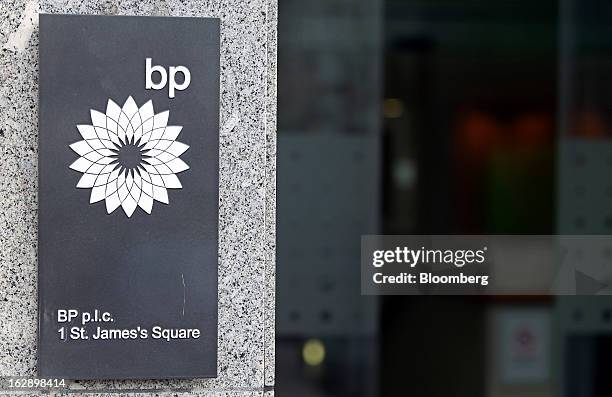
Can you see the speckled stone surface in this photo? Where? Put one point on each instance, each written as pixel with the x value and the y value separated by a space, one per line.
pixel 194 393
pixel 247 189
pixel 270 216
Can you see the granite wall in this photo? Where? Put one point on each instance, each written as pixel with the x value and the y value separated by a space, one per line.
pixel 247 192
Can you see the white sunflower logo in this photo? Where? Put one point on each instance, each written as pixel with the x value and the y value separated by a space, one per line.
pixel 129 156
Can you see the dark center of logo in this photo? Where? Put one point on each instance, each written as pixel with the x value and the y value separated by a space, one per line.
pixel 129 156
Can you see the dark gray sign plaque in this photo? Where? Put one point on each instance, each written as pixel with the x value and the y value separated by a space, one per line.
pixel 128 197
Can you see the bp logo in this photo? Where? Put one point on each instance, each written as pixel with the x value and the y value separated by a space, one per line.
pixel 129 157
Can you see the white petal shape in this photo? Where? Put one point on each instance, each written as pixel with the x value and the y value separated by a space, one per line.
pixel 81 164
pixel 101 180
pixel 146 203
pixel 153 152
pixel 93 156
pixel 122 187
pixel 157 144
pixel 165 157
pixel 152 137
pixel 81 148
pixel 152 161
pixel 96 144
pixel 100 161
pixel 157 180
pixel 146 120
pixel 146 110
pixel 137 134
pixel 172 132
pixel 105 160
pixel 144 175
pixel 160 194
pixel 171 181
pixel 160 169
pixel 112 203
pixel 87 181
pixel 177 165
pixel 111 185
pixel 177 148
pixel 129 131
pixel 98 119
pixel 87 131
pixel 113 129
pixel 96 169
pixel 149 168
pixel 163 169
pixel 113 110
pixel 129 184
pixel 98 193
pixel 160 120
pixel 129 205
pixel 130 108
pixel 135 191
pixel 124 123
pixel 102 135
pixel 147 189
pixel 147 127
pixel 105 152
pixel 156 134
